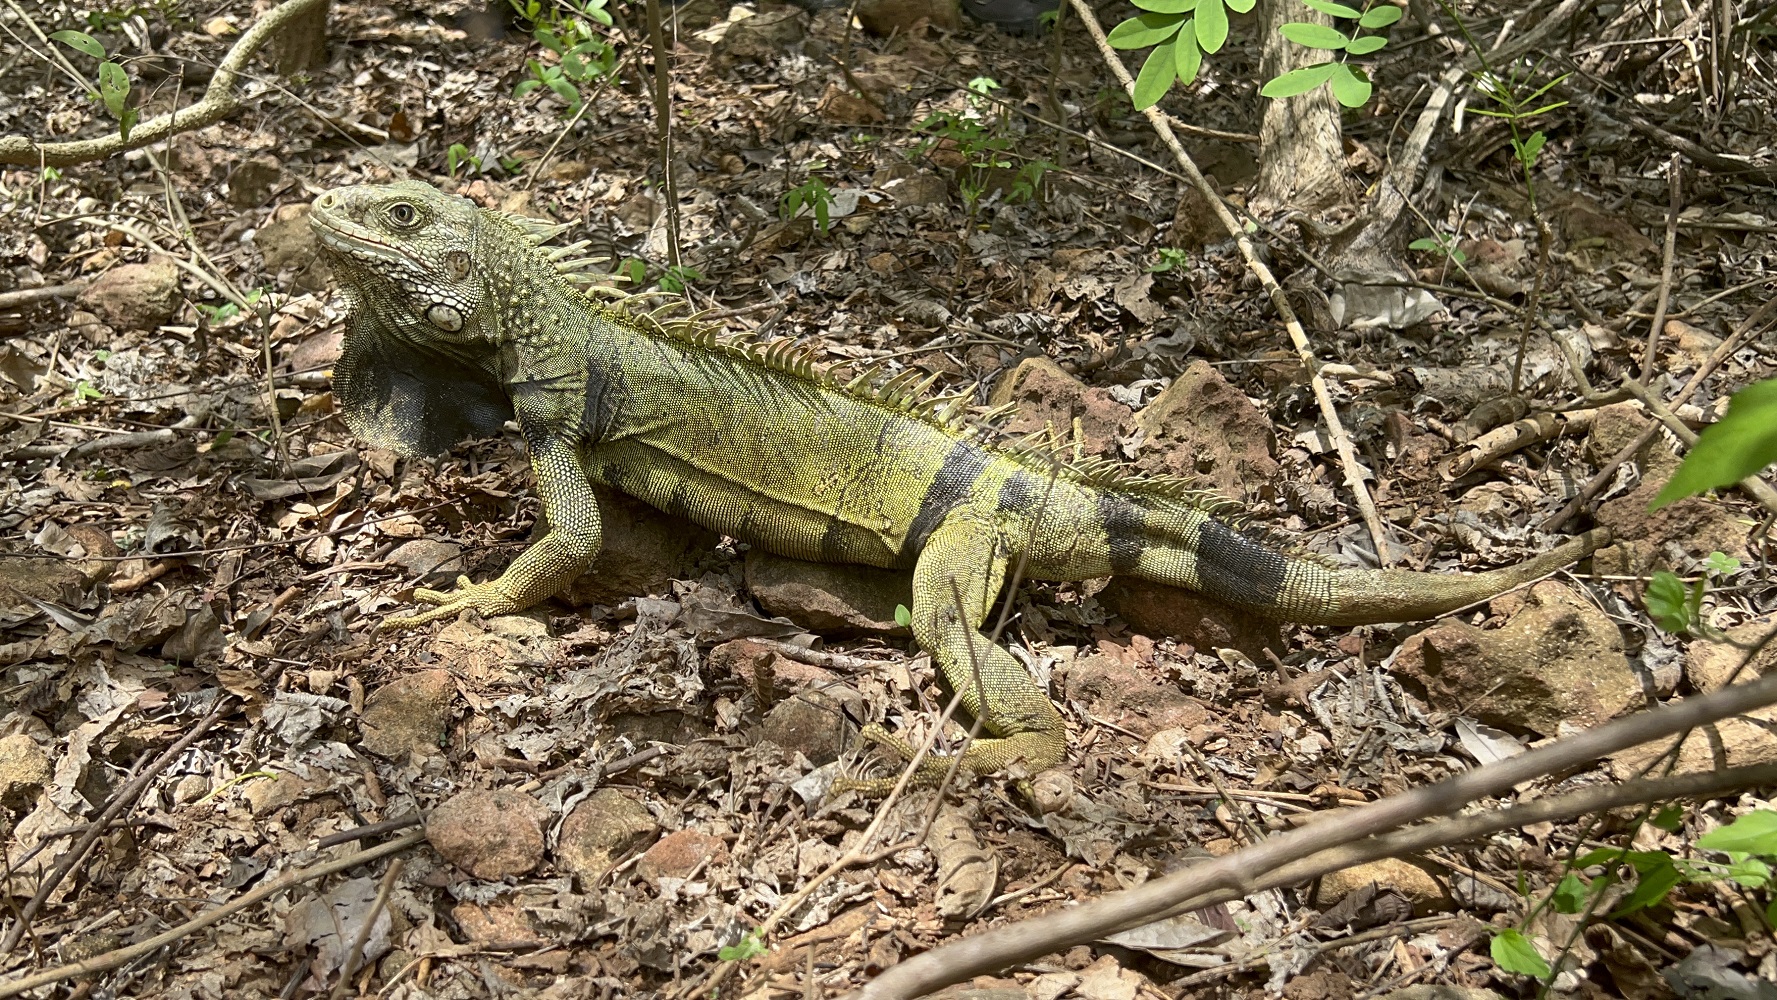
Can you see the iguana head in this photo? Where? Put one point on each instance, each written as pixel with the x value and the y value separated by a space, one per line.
pixel 405 252
pixel 419 368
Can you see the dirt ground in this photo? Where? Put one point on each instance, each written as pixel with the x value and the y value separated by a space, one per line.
pixel 612 794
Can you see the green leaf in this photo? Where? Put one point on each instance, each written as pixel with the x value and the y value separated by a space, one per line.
pixel 1734 447
pixel 1750 872
pixel 903 617
pixel 747 947
pixel 1379 17
pixel 1298 81
pixel 1669 818
pixel 1189 57
pixel 1334 9
pixel 1655 883
pixel 1241 6
pixel 82 41
pixel 1366 45
pixel 1350 87
pixel 1144 30
pixel 1156 75
pixel 1669 602
pixel 1753 833
pixel 1722 564
pixel 1315 36
pixel 114 87
pixel 1212 25
pixel 1529 148
pixel 1513 952
pixel 1570 894
pixel 1167 6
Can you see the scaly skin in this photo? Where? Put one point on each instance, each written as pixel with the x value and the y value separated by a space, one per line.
pixel 461 322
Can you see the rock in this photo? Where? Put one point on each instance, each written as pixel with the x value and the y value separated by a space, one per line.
pixel 680 854
pixel 191 788
pixel 1744 740
pixel 1685 530
pixel 252 182
pixel 135 296
pixel 603 828
pixel 1195 224
pixel 922 188
pixel 489 834
pixel 762 39
pixel 1049 398
pixel 1429 991
pixel 840 106
pixel 429 561
pixel 644 551
pixel 1204 428
pixel 883 18
pixel 1156 609
pixel 405 719
pixel 1711 665
pixel 500 924
pixel 50 580
pixel 285 789
pixel 1557 661
pixel 829 598
pixel 24 767
pixel 1018 17
pixel 1115 689
pixel 814 723
pixel 1413 882
pixel 288 248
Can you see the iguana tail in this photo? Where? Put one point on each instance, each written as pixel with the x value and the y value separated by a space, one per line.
pixel 1185 547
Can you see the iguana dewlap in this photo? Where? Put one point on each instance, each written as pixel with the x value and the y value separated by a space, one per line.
pixel 462 321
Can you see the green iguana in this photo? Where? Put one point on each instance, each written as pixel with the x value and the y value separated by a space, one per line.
pixel 462 320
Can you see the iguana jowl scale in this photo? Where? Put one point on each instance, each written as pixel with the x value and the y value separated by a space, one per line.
pixel 461 321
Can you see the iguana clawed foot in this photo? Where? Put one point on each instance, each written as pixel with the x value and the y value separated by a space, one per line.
pixel 486 599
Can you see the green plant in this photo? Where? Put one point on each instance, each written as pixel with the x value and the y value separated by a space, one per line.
pixel 1676 607
pixel 1442 244
pixel 749 946
pixel 679 277
pixel 583 53
pixel 1169 258
pixel 1180 31
pixel 811 194
pixel 1351 87
pixel 458 155
pixel 1734 447
pixel 113 92
pixel 226 310
pixel 1516 109
pixel 984 144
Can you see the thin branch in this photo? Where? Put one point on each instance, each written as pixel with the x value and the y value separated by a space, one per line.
pixel 219 101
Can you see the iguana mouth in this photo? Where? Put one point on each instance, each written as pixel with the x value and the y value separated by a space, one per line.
pixel 344 237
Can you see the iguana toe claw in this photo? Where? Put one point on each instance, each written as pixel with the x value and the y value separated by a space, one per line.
pixel 486 599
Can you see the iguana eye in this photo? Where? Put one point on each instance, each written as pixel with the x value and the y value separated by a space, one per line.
pixel 402 214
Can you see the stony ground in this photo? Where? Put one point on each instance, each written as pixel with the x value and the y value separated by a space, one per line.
pixel 625 782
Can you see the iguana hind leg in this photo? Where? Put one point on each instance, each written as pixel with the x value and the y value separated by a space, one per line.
pixel 958 576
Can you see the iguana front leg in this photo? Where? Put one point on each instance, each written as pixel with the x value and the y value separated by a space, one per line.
pixel 958 576
pixel 571 510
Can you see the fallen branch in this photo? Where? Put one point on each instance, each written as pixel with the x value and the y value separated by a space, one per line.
pixel 1327 846
pixel 219 101
pixel 26 296
pixel 122 956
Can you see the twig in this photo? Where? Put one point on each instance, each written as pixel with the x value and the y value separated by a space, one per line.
pixel 1279 300
pixel 1297 855
pixel 663 122
pixel 1675 203
pixel 219 101
pixel 122 956
pixel 350 969
pixel 26 296
pixel 125 797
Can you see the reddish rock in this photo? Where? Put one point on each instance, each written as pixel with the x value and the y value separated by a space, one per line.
pixel 489 834
pixel 1557 660
pixel 829 598
pixel 1202 427
pixel 604 827
pixel 135 296
pixel 1115 689
pixel 680 853
pixel 1156 609
pixel 1050 399
pixel 406 718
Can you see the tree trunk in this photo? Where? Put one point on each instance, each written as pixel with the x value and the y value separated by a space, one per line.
pixel 1301 162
